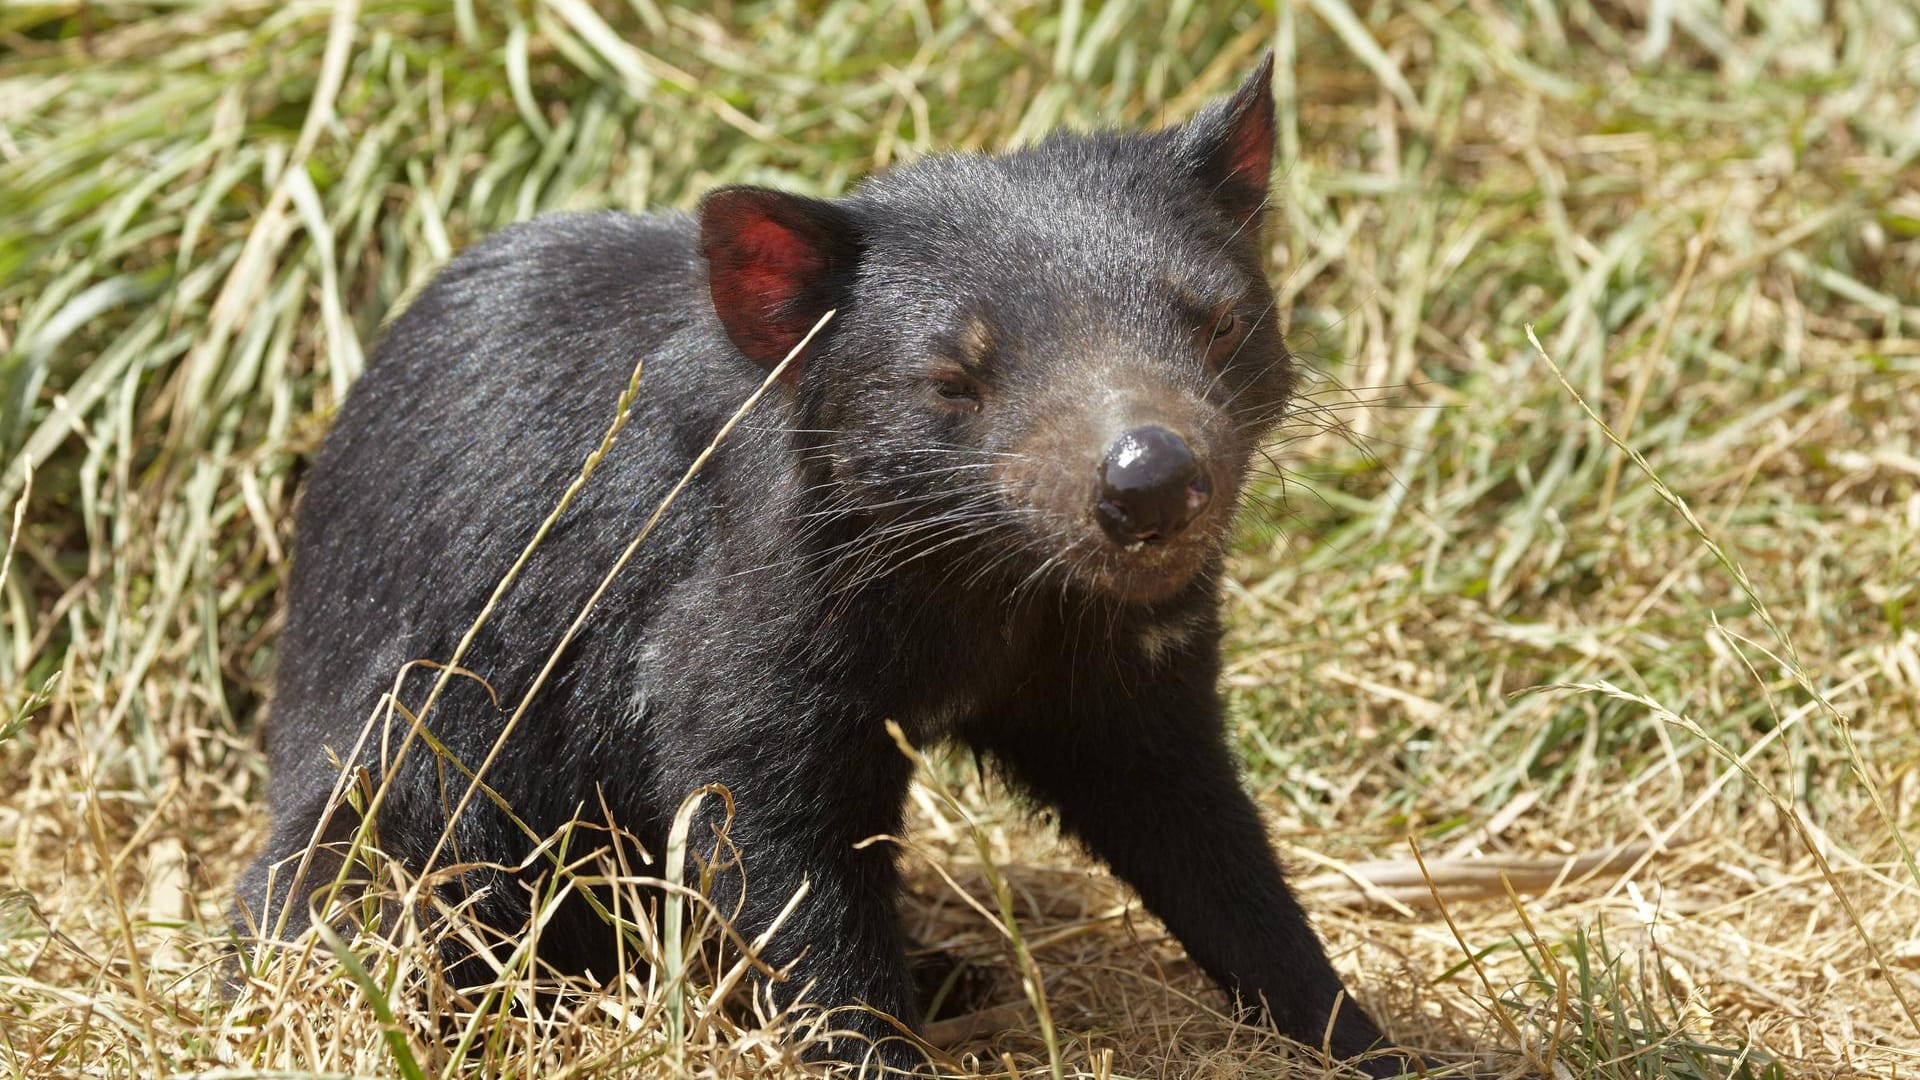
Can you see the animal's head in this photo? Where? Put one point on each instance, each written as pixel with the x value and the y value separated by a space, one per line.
pixel 1054 362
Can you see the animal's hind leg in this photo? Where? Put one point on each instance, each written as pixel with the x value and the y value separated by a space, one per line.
pixel 277 892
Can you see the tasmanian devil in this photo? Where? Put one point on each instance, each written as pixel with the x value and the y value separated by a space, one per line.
pixel 987 501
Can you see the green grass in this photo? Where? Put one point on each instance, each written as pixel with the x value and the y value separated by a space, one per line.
pixel 1464 620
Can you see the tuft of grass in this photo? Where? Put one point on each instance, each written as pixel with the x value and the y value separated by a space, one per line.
pixel 1618 1022
pixel 1623 645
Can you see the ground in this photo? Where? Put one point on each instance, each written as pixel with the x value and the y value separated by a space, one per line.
pixel 1590 554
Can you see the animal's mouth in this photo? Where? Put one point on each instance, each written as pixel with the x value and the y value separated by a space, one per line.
pixel 1081 554
pixel 1150 568
pixel 1133 579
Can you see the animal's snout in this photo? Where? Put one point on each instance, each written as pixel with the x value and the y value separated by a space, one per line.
pixel 1151 486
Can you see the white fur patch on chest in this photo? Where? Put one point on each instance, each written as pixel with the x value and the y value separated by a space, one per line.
pixel 1160 641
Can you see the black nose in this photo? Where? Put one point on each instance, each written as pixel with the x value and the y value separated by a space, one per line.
pixel 1151 486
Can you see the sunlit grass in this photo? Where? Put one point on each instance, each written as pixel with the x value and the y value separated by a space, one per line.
pixel 1464 621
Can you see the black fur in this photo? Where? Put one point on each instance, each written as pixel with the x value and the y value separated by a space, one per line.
pixel 904 531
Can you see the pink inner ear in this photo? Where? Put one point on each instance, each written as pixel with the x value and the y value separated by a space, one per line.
pixel 771 263
pixel 759 269
pixel 1249 150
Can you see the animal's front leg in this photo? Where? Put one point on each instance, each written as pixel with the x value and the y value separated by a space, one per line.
pixel 802 808
pixel 1141 774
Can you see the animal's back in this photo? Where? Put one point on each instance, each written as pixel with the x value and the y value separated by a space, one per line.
pixel 474 415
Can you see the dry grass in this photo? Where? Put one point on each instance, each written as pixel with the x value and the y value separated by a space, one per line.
pixel 1475 632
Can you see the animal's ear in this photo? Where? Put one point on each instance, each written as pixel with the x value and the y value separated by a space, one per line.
pixel 775 264
pixel 1229 146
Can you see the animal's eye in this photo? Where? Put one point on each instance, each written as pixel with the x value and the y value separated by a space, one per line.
pixel 956 389
pixel 1223 338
